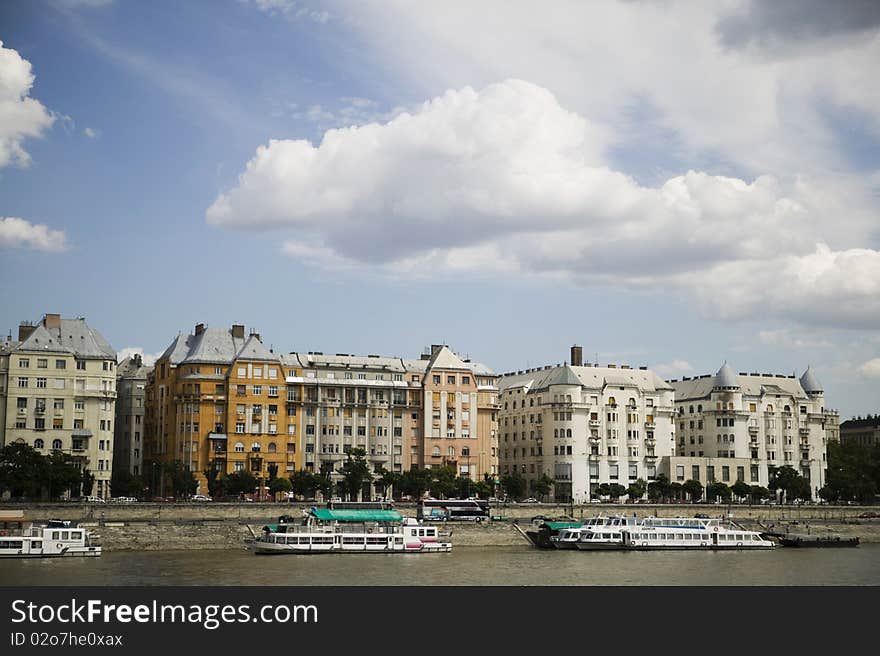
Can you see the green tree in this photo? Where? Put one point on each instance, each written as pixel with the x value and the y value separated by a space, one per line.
pixel 278 485
pixel 183 482
pixel 514 485
pixel 87 483
pixel 603 490
pixel 658 489
pixel 637 490
pixel 355 472
pixel 272 470
pixel 215 486
pixel 23 471
pixel 789 482
pixel 416 482
pixel 542 486
pixel 302 483
pixel 718 490
pixel 443 484
pixel 693 489
pixel 616 490
pixel 240 482
pixel 741 489
pixel 758 493
pixel 124 484
pixel 676 491
pixel 853 472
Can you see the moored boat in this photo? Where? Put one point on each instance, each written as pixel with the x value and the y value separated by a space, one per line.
pixel 349 531
pixel 55 539
pixel 817 541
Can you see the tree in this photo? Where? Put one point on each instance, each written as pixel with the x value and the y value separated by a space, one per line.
pixel 215 487
pixel 740 489
pixel 355 472
pixel 272 470
pixel 443 482
pixel 637 490
pixel 787 480
pixel 416 482
pixel 23 470
pixel 387 481
pixel 676 491
pixel 87 483
pixel 758 493
pixel 616 490
pixel 542 486
pixel 603 490
pixel 278 485
pixel 124 484
pixel 183 483
pixel 658 489
pixel 693 489
pixel 717 490
pixel 514 485
pixel 240 482
pixel 302 483
pixel 853 472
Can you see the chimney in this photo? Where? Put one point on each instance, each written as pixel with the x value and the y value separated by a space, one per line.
pixel 25 329
pixel 238 331
pixel 200 328
pixel 52 321
pixel 577 356
pixel 137 359
pixel 256 334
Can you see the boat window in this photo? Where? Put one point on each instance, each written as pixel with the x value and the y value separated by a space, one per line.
pixel 56 535
pixel 398 540
pixel 65 535
pixel 37 544
pixel 76 535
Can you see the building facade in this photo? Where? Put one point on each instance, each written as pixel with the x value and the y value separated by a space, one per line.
pixel 735 427
pixel 584 425
pixel 218 400
pixel 58 393
pixel 861 431
pixel 128 432
pixel 436 411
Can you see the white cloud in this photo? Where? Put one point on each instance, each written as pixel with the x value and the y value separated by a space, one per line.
pixel 871 369
pixel 149 359
pixel 788 338
pixel 291 9
pixel 673 369
pixel 21 117
pixel 19 233
pixel 507 180
pixel 92 133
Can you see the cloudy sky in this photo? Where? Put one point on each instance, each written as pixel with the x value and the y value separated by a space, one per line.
pixel 671 184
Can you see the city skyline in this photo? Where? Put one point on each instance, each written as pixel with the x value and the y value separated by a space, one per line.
pixel 667 185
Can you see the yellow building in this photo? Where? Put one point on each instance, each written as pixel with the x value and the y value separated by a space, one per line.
pixel 217 401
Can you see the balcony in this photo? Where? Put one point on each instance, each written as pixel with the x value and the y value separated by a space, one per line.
pixel 650 425
pixel 804 430
pixel 595 423
pixel 754 429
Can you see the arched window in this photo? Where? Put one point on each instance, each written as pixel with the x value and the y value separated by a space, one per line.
pixel 632 402
pixel 451 452
pixel 271 448
pixel 435 451
pixel 38 443
pixel 568 432
pixel 239 447
pixel 255 447
pixel 611 401
pixel 786 409
pixel 700 408
pixel 770 408
pixel 56 444
pixel 691 410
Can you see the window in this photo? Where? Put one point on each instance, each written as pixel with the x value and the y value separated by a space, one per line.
pixel 436 380
pixel 450 380
pixel 21 403
pixel 41 383
pixel 38 443
pixel 239 446
pixel 25 363
pixel 56 445
pixel 61 364
pixel 22 382
pixel 81 365
pixel 613 472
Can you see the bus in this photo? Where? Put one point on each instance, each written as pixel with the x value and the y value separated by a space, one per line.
pixel 471 510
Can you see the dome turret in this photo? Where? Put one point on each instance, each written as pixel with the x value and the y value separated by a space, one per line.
pixel 725 378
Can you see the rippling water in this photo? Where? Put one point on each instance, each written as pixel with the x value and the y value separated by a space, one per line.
pixel 464 566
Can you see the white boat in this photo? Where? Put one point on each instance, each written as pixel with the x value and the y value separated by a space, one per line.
pixel 349 531
pixel 570 537
pixel 55 539
pixel 655 533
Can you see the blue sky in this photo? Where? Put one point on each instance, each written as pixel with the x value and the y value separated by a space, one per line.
pixel 666 184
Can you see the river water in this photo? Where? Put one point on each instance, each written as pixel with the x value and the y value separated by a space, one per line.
pixel 482 566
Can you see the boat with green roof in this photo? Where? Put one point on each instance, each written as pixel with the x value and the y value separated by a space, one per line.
pixel 326 530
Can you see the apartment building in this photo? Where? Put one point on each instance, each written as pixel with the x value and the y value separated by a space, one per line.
pixel 58 393
pixel 860 431
pixel 128 431
pixel 214 401
pixel 583 425
pixel 734 427
pixel 436 411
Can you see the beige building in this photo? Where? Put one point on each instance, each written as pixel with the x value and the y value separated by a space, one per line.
pixel 734 427
pixel 584 425
pixel 58 393
pixel 861 431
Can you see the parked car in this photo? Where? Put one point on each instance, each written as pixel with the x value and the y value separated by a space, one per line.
pixel 200 497
pixel 93 500
pixel 123 500
pixel 530 500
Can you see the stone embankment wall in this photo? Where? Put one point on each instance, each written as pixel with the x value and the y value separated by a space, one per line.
pixel 166 526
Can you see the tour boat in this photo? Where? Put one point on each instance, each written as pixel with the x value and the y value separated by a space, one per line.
pixel 570 537
pixel 349 531
pixel 55 539
pixel 654 533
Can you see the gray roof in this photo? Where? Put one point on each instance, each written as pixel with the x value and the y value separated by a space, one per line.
pixel 215 345
pixel 725 377
pixel 809 381
pixel 72 336
pixel 590 377
pixel 132 368
pixel 701 387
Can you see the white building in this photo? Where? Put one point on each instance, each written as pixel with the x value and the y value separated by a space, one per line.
pixel 58 393
pixel 734 427
pixel 584 425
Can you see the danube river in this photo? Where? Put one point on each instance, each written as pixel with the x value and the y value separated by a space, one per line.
pixel 521 566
